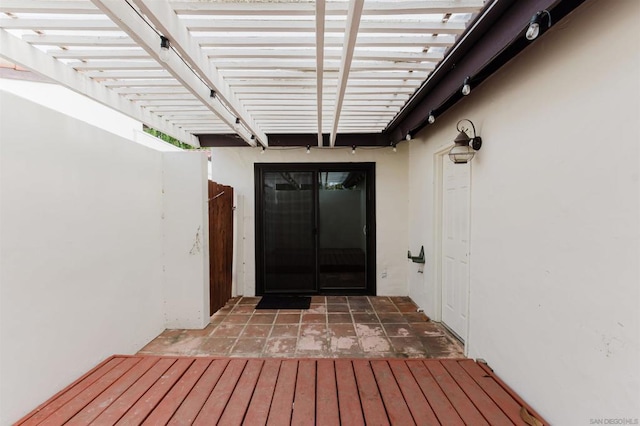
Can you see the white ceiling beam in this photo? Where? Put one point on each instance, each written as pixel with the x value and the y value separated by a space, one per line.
pixel 320 22
pixel 333 8
pixel 58 24
pixel 99 54
pixel 272 41
pixel 25 55
pixel 350 36
pixel 168 83
pixel 85 40
pixel 251 98
pixel 165 20
pixel 162 97
pixel 263 84
pixel 287 26
pixel 360 54
pixel 370 75
pixel 243 91
pixel 310 66
pixel 150 90
pixel 129 74
pixel 130 22
pixel 40 6
pixel 115 65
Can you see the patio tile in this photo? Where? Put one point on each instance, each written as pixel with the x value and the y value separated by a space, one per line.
pixel 361 308
pixel 335 326
pixel 365 318
pixel 283 346
pixel 311 344
pixel 285 330
pixel 392 318
pixel 214 346
pixel 339 318
pixel 217 318
pixel 342 330
pixel 316 308
pixel 249 300
pixel 249 346
pixel 256 331
pixel 386 308
pixel 228 330
pixel 411 345
pixel 262 318
pixel 237 319
pixel 288 318
pixel 428 329
pixel 314 318
pixel 366 330
pixel 337 307
pixel 375 344
pixel 400 299
pixel 243 309
pixel 313 330
pixel 407 307
pixel 399 330
pixel 344 344
pixel 416 317
pixel 442 347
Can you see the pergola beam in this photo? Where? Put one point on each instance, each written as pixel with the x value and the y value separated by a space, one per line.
pixel 130 22
pixel 334 8
pixel 163 17
pixel 333 26
pixel 320 13
pixel 25 55
pixel 350 37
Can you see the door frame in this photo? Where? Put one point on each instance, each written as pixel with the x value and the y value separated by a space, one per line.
pixel 438 157
pixel 370 271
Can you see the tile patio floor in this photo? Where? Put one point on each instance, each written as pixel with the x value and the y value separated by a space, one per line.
pixel 333 327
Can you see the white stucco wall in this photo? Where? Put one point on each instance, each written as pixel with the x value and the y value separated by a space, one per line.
pixel 554 288
pixel 185 239
pixel 235 167
pixel 89 263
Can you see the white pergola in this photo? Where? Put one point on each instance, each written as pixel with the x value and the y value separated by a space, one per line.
pixel 245 67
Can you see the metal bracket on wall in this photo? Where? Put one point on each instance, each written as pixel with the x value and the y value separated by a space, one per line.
pixel 419 258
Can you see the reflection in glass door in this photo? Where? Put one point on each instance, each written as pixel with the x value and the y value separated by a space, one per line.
pixel 342 245
pixel 289 231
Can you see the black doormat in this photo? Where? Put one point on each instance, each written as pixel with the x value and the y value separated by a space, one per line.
pixel 284 302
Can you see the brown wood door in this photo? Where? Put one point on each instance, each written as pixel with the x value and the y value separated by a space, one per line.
pixel 220 244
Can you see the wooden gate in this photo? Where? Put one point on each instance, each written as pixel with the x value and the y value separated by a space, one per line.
pixel 220 244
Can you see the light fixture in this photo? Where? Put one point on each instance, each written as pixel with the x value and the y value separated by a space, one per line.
pixel 534 25
pixel 308 149
pixel 263 150
pixel 466 86
pixel 408 137
pixel 394 148
pixel 432 118
pixel 165 47
pixel 212 94
pixel 353 149
pixel 465 147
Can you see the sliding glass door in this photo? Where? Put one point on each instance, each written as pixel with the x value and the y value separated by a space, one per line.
pixel 315 228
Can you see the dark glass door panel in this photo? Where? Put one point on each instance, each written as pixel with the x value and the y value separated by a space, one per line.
pixel 289 231
pixel 342 213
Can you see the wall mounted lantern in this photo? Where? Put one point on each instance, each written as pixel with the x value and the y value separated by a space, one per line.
pixel 466 146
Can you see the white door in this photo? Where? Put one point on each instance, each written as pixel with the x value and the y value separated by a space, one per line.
pixel 455 245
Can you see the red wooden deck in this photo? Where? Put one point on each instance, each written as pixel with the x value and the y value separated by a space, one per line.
pixel 132 390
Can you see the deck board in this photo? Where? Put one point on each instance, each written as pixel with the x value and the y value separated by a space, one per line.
pixel 327 411
pixel 133 390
